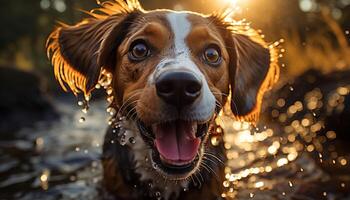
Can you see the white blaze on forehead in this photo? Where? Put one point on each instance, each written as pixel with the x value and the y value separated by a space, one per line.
pixel 181 28
pixel 180 55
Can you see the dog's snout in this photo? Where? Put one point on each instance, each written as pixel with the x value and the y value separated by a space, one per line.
pixel 178 88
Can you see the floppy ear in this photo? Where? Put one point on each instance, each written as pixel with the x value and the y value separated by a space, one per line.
pixel 79 52
pixel 252 73
pixel 253 68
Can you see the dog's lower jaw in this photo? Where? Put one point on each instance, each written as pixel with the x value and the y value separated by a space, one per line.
pixel 133 158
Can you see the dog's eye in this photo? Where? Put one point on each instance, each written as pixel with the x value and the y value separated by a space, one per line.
pixel 139 51
pixel 212 55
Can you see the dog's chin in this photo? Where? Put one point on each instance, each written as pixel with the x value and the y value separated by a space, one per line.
pixel 177 146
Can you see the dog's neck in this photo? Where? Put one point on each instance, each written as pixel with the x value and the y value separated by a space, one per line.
pixel 125 145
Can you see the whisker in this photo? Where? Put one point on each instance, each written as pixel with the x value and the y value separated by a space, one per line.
pixel 199 182
pixel 194 182
pixel 215 174
pixel 125 103
pixel 209 159
pixel 204 167
pixel 200 174
pixel 212 155
pixel 131 111
pixel 208 168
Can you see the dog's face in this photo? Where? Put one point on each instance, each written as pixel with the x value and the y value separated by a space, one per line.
pixel 172 72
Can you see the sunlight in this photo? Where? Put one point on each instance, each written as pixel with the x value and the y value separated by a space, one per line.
pixel 235 7
pixel 235 3
pixel 231 2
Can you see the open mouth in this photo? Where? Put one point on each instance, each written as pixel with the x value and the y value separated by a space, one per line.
pixel 176 144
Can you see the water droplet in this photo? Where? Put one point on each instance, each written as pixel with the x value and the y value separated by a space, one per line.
pixel 80 103
pixel 77 149
pixel 155 166
pixel 111 121
pixel 87 97
pixel 109 91
pixel 44 178
pixel 118 125
pixel 122 140
pixel 132 140
pixel 185 189
pixel 121 132
pixel 158 195
pixel 109 109
pixel 110 99
pixel 84 110
pixel 150 184
pixel 291 88
pixel 97 86
pixel 215 141
pixel 82 119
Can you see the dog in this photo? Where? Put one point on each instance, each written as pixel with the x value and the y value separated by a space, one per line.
pixel 169 74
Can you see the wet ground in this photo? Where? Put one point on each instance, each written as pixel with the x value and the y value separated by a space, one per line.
pixel 291 155
pixel 55 160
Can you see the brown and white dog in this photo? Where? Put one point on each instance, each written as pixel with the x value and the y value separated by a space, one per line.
pixel 171 72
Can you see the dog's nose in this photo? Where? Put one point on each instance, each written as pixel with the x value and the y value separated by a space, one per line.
pixel 178 88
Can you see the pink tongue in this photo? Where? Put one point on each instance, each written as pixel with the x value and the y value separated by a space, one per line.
pixel 176 141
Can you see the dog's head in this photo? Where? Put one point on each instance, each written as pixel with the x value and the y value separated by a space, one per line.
pixel 172 72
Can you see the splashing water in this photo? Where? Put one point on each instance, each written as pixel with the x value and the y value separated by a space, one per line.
pixel 277 162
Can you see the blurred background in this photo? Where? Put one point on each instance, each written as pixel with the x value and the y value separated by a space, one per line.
pixel 36 114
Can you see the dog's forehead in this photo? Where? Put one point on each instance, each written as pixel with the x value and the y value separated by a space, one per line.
pixel 179 24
